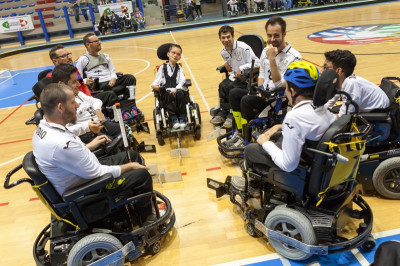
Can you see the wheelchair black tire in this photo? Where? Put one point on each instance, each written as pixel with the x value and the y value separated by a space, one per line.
pixel 198 112
pixel 296 220
pixel 160 139
pixel 90 243
pixel 382 172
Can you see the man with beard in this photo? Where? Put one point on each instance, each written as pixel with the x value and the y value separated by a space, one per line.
pixel 60 55
pixel 99 65
pixel 67 162
pixel 274 61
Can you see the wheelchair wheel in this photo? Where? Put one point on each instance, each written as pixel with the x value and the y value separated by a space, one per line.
pixel 92 248
pixel 294 224
pixel 369 244
pixel 386 178
pixel 197 132
pixel 198 112
pixel 155 248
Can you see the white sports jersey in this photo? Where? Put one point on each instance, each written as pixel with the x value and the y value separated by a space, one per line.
pixel 283 59
pixel 239 58
pixel 85 113
pixel 301 123
pixel 64 159
pixel 180 77
pixel 104 73
pixel 366 94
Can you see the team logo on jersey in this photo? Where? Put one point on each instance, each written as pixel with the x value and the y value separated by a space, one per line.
pixel 362 34
pixel 289 126
pixel 66 145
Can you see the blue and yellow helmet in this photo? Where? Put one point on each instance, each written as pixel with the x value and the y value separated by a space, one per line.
pixel 302 74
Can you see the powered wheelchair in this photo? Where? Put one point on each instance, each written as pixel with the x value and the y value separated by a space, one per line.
pixel 231 12
pixel 162 118
pixel 88 226
pixel 379 166
pixel 305 211
pixel 259 7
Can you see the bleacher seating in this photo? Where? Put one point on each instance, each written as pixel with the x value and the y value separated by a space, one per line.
pixel 21 14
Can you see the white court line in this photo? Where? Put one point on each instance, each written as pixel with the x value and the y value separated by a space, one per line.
pixel 15 95
pixel 194 79
pixel 144 97
pixel 131 59
pixel 359 256
pixel 7 79
pixel 12 160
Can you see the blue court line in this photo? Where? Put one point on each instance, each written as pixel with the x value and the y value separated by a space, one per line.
pixel 345 258
pixel 14 91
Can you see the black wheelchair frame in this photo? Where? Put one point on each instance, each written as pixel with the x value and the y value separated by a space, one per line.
pixel 162 123
pixel 289 201
pixel 379 164
pixel 77 214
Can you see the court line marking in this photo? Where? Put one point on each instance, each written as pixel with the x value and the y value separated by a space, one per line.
pixel 360 257
pixel 12 160
pixel 15 95
pixel 194 79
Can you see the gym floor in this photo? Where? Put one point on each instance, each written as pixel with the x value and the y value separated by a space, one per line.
pixel 208 230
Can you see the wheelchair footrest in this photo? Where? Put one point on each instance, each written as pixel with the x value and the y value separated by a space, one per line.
pixel 219 187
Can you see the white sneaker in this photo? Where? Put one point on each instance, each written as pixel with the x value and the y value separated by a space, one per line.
pixel 238 182
pixel 182 122
pixel 232 140
pixel 176 125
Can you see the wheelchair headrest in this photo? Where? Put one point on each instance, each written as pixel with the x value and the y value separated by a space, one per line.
pixel 390 88
pixel 326 87
pixel 40 85
pixel 255 41
pixel 162 51
pixel 43 74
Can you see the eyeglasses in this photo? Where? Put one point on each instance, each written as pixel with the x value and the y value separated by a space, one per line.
pixel 327 67
pixel 175 53
pixel 64 56
pixel 96 41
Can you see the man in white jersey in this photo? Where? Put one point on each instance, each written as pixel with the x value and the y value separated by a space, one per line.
pixel 303 122
pixel 237 56
pixel 99 65
pixel 274 61
pixel 89 113
pixel 366 94
pixel 67 162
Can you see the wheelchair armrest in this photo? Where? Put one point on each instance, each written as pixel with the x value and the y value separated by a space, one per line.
pixel 119 74
pixel 188 83
pixel 113 144
pixel 375 117
pixel 88 187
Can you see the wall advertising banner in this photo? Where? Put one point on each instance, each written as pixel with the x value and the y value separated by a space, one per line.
pixel 17 23
pixel 118 8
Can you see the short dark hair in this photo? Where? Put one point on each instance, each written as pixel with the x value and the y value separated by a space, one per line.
pixel 86 37
pixel 225 29
pixel 63 73
pixel 52 95
pixel 343 59
pixel 276 20
pixel 53 51
pixel 176 46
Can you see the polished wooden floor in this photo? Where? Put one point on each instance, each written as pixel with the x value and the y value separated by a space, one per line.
pixel 207 230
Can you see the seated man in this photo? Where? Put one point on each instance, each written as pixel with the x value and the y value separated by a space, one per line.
pixel 67 162
pixel 89 109
pixel 366 94
pixel 303 122
pixel 233 5
pixel 60 55
pixel 127 19
pixel 115 22
pixel 274 61
pixel 237 56
pixel 170 75
pixel 99 65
